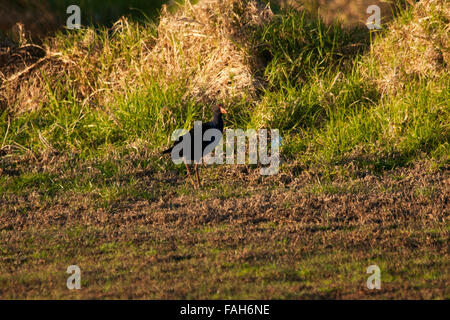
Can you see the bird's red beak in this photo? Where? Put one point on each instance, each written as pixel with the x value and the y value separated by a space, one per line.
pixel 222 110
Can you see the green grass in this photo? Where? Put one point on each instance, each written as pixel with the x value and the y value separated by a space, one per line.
pixel 315 95
pixel 90 163
pixel 230 271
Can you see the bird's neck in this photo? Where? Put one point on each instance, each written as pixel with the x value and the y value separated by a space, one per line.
pixel 217 120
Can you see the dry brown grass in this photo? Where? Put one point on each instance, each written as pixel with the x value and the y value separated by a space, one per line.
pixel 207 47
pixel 349 12
pixel 210 46
pixel 28 78
pixel 416 49
pixel 24 71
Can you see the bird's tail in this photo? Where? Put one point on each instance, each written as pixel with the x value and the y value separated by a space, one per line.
pixel 167 151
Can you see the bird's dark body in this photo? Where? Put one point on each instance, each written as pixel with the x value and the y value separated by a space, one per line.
pixel 216 123
pixel 195 137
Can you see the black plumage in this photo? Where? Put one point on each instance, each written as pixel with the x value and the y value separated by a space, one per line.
pixel 215 123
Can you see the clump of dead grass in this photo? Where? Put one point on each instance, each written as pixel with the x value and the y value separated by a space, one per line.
pixel 207 47
pixel 210 46
pixel 30 72
pixel 415 47
pixel 93 65
pixel 25 71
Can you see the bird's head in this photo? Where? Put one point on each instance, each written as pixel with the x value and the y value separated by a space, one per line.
pixel 219 109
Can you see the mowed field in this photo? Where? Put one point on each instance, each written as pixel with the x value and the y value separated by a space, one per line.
pixel 139 234
pixel 363 180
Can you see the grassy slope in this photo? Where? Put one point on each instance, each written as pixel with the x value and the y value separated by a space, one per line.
pixel 363 181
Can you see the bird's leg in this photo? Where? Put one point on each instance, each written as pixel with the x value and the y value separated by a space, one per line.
pixel 189 174
pixel 196 174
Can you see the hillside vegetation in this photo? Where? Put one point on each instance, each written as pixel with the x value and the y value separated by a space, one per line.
pixel 135 83
pixel 364 177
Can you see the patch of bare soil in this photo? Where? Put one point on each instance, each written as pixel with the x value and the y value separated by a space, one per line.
pixel 407 194
pixel 244 235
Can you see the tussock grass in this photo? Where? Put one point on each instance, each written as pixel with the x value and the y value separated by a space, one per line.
pixel 97 90
pixel 210 46
pixel 416 46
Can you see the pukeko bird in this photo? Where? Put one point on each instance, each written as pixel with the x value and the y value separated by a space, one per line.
pixel 215 123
